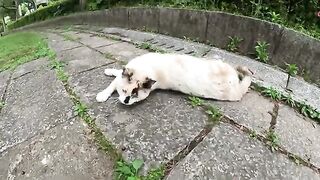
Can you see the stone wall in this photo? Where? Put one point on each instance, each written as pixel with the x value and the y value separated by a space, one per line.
pixel 286 45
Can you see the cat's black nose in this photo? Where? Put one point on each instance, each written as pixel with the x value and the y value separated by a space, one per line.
pixel 127 100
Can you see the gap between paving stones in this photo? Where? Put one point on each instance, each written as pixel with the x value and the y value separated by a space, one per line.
pixel 263 139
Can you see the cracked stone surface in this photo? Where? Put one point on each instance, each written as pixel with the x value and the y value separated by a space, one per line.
pixel 82 59
pixel 58 43
pixel 94 41
pixel 34 103
pixel 251 111
pixel 63 152
pixel 31 66
pixel 122 51
pixel 298 134
pixel 227 153
pixel 155 130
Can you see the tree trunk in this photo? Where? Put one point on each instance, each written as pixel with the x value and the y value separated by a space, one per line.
pixel 16 2
pixel 4 25
pixel 82 4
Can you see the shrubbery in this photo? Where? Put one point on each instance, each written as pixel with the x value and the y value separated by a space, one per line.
pixel 57 9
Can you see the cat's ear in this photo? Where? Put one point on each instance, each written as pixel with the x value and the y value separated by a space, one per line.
pixel 127 73
pixel 147 84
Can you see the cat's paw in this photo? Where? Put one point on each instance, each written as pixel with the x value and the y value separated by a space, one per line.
pixel 102 96
pixel 111 72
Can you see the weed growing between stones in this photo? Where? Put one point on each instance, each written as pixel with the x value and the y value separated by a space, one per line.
pixel 273 140
pixel 149 47
pixel 69 37
pixel 301 107
pixel 234 43
pixel 130 170
pixel 262 51
pixel 195 101
pixel 214 113
pixel 2 104
pixel 291 70
pixel 253 134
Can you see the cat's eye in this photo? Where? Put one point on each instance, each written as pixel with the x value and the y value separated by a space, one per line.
pixel 123 90
pixel 134 92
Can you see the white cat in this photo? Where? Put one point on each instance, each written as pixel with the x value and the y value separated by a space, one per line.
pixel 211 79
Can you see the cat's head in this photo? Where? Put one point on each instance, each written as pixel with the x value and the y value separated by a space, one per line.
pixel 133 86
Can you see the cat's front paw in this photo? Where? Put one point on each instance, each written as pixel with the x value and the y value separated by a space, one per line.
pixel 102 97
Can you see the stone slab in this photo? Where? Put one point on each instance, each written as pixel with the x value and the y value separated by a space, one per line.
pixel 267 76
pixel 222 25
pixel 34 103
pixel 144 18
pixel 94 41
pixel 122 51
pixel 31 66
pixel 154 130
pixel 181 22
pixel 82 59
pixel 300 49
pixel 251 111
pixel 227 153
pixel 65 152
pixel 58 43
pixel 4 77
pixel 298 135
pixel 170 44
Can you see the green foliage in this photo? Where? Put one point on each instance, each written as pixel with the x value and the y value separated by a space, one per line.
pixel 288 100
pixel 2 104
pixel 149 47
pixel 128 171
pixel 233 44
pixel 273 140
pixel 57 9
pixel 19 48
pixel 292 69
pixel 273 93
pixel 195 101
pixel 214 113
pixel 253 134
pixel 81 110
pixel 262 51
pixel 155 174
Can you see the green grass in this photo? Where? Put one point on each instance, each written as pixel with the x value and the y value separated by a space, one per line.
pixel 19 48
pixel 262 51
pixel 273 140
pixel 149 47
pixel 195 101
pixel 128 171
pixel 214 113
pixel 2 104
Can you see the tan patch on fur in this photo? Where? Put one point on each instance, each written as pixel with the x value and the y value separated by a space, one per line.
pixel 161 77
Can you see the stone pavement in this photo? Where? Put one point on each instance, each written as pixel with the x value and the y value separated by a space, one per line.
pixel 42 138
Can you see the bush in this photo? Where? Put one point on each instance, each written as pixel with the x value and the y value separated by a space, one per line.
pixel 58 9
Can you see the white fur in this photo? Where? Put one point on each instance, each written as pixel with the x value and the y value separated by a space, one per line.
pixel 212 79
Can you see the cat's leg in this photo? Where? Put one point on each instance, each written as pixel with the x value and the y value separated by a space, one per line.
pixel 112 72
pixel 105 94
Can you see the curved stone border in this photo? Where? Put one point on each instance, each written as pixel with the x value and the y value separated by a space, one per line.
pixel 286 45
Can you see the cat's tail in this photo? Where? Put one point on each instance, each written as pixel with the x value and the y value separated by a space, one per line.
pixel 245 78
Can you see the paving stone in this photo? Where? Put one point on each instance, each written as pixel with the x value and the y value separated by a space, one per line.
pixel 94 41
pixel 65 152
pixel 123 51
pixel 58 43
pixel 298 135
pixel 82 59
pixel 154 130
pixel 251 111
pixel 31 66
pixel 4 77
pixel 34 103
pixel 227 153
pixel 267 76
